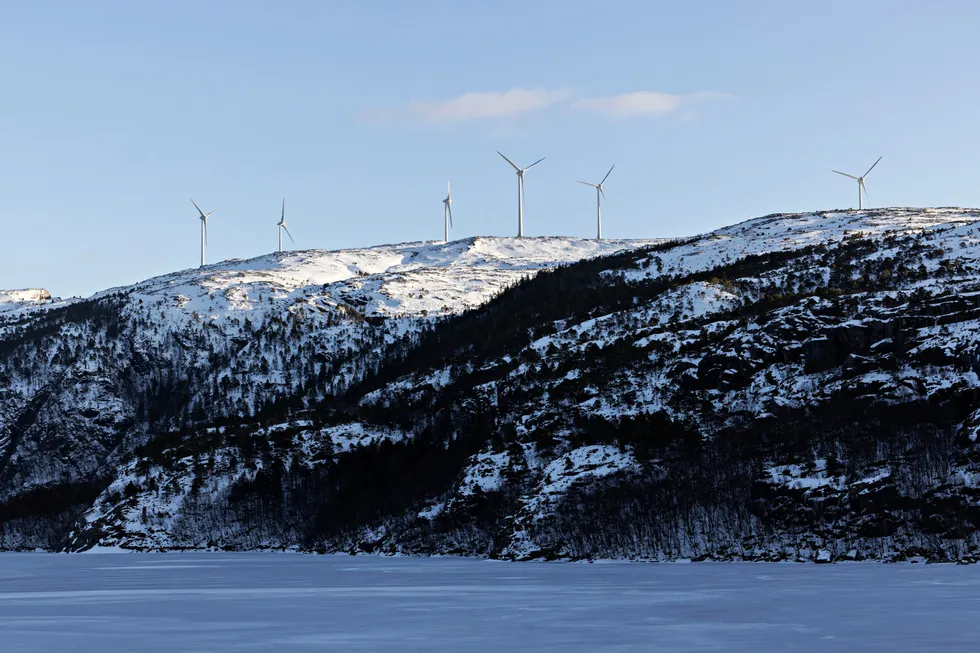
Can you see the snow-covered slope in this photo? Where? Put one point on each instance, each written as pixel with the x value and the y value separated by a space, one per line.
pixel 86 380
pixel 798 386
pixel 828 324
pixel 406 280
pixel 794 231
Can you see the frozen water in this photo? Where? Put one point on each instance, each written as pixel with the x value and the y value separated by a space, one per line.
pixel 292 602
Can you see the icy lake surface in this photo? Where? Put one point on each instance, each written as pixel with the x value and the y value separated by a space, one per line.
pixel 284 602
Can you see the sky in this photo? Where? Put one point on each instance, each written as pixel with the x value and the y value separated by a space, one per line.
pixel 113 115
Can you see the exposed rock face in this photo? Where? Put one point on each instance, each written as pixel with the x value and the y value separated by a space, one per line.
pixel 11 300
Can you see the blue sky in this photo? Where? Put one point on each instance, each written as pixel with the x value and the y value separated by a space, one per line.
pixel 113 114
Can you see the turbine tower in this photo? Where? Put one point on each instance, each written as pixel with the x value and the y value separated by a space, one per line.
pixel 448 210
pixel 862 189
pixel 282 226
pixel 520 192
pixel 599 195
pixel 204 228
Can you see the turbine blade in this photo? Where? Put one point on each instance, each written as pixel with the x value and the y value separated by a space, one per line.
pixel 449 206
pixel 535 163
pixel 211 213
pixel 587 183
pixel 284 209
pixel 449 190
pixel 873 166
pixel 603 193
pixel 865 189
pixel 205 233
pixel 509 161
pixel 607 176
pixel 197 207
pixel 844 173
pixel 288 234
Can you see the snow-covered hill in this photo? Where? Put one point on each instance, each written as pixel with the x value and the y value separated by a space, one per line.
pixel 86 380
pixel 407 280
pixel 798 386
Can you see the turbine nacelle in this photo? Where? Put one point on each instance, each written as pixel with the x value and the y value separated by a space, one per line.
pixel 204 216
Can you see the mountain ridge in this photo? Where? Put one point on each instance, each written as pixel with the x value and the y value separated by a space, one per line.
pixel 797 386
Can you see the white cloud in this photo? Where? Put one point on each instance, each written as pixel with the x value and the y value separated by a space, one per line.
pixel 646 103
pixel 501 105
pixel 480 106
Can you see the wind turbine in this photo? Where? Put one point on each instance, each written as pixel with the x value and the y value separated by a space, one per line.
pixel 599 195
pixel 282 226
pixel 520 192
pixel 862 189
pixel 204 228
pixel 448 210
